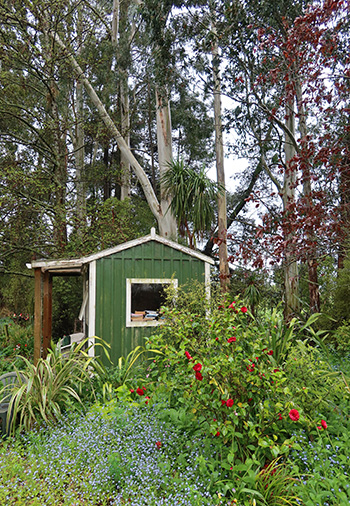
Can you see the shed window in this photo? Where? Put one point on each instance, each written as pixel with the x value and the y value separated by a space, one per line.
pixel 144 298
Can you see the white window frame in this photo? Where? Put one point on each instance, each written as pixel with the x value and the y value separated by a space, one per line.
pixel 146 281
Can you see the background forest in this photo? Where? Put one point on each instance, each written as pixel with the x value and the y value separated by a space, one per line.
pixel 108 109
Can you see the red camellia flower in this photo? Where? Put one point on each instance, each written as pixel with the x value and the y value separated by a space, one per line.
pixel 244 309
pixel 324 424
pixel 158 444
pixel 294 415
pixel 188 355
pixel 197 367
pixel 231 340
pixel 229 403
pixel 199 376
pixel 139 391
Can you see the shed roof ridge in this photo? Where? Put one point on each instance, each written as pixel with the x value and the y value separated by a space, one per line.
pixel 121 247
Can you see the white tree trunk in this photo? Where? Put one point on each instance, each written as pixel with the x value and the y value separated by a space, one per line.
pixel 124 148
pixel 125 126
pixel 120 13
pixel 291 273
pixel 79 141
pixel 167 226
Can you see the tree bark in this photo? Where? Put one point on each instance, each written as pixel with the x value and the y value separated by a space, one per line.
pixel 168 227
pixel 79 142
pixel 291 274
pixel 122 145
pixel 220 170
pixel 311 260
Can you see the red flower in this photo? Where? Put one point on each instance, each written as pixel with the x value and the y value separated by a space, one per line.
pixel 229 403
pixel 199 376
pixel 319 427
pixel 231 340
pixel 158 444
pixel 217 434
pixel 197 367
pixel 132 391
pixel 324 424
pixel 146 401
pixel 250 399
pixel 188 355
pixel 280 416
pixel 294 415
pixel 244 309
pixel 223 402
pixel 216 339
pixel 139 391
pixel 276 370
pixel 270 352
pixel 232 305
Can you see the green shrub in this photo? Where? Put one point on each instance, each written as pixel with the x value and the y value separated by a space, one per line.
pixel 219 368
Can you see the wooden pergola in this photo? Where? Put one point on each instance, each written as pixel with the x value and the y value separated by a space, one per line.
pixel 44 271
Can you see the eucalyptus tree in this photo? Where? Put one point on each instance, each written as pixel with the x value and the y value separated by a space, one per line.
pixel 268 52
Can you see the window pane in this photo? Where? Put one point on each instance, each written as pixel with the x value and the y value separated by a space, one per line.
pixel 147 296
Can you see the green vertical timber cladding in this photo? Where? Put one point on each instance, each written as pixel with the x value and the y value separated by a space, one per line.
pixel 148 260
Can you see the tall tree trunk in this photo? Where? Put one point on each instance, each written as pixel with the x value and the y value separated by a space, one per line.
pixel 150 134
pixel 58 137
pixel 291 274
pixel 120 26
pixel 167 227
pixel 122 145
pixel 220 171
pixel 125 131
pixel 79 140
pixel 314 293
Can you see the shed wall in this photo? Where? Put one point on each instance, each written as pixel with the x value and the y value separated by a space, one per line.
pixel 148 260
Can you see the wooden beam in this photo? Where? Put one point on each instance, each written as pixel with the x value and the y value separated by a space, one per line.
pixel 37 315
pixel 47 312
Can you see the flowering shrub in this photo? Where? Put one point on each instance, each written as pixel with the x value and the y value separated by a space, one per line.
pixel 220 369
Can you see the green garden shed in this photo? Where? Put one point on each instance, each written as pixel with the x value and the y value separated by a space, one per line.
pixel 123 289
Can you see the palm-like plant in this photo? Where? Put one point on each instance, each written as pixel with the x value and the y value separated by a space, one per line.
pixel 193 198
pixel 42 391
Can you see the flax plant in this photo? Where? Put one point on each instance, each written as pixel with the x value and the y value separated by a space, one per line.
pixel 44 390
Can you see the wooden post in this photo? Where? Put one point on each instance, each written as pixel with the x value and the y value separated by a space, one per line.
pixel 37 315
pixel 47 312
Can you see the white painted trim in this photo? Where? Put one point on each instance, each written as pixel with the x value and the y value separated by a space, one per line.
pixel 79 262
pixel 129 282
pixel 92 306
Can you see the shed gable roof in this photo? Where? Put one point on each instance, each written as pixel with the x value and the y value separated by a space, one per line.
pixel 71 264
